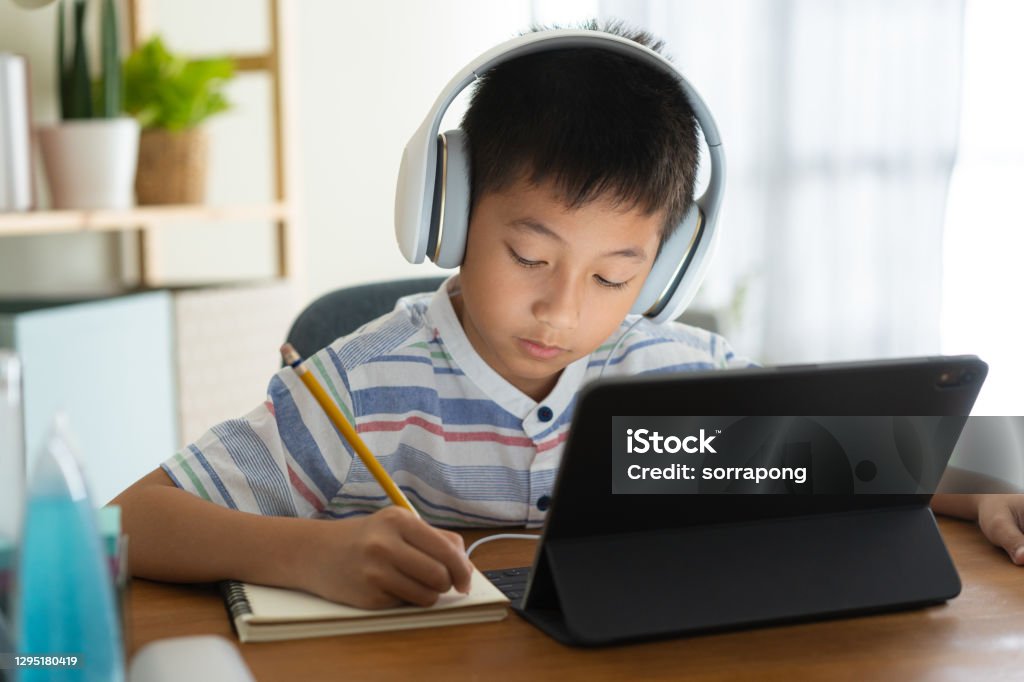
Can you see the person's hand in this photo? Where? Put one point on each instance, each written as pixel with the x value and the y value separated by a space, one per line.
pixel 1000 519
pixel 383 560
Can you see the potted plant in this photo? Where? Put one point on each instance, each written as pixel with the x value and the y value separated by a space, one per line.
pixel 90 156
pixel 170 96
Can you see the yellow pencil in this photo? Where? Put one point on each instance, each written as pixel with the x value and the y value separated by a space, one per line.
pixel 294 360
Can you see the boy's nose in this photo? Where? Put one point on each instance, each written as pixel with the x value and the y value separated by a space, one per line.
pixel 559 304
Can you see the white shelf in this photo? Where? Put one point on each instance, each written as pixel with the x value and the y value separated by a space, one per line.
pixel 107 220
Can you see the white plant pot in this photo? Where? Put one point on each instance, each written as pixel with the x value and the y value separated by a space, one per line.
pixel 90 163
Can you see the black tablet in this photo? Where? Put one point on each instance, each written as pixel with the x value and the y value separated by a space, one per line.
pixel 698 502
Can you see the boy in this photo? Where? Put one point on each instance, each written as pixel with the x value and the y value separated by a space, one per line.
pixel 581 162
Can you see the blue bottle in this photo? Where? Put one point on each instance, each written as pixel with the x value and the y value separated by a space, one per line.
pixel 65 602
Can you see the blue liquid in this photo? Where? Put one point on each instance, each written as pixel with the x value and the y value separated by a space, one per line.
pixel 66 593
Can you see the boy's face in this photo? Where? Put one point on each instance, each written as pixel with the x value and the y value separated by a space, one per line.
pixel 543 285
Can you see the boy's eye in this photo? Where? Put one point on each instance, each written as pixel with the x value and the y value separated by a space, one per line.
pixel 525 262
pixel 611 285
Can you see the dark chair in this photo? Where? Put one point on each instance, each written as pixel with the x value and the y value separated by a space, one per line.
pixel 343 311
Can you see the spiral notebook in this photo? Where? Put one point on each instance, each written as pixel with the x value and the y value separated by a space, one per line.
pixel 266 614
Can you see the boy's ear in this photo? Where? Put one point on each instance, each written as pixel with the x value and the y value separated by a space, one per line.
pixel 449 219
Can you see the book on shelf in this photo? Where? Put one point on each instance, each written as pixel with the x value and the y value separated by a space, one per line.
pixel 264 614
pixel 15 141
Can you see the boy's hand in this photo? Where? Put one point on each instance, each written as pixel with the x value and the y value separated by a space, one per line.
pixel 383 560
pixel 1000 518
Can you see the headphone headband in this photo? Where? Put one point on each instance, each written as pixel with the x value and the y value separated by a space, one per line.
pixel 413 206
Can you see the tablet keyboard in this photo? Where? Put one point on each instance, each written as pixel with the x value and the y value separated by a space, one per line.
pixel 511 581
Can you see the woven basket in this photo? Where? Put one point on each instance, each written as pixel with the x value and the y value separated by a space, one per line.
pixel 172 167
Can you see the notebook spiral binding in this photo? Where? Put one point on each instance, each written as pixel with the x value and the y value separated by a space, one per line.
pixel 236 599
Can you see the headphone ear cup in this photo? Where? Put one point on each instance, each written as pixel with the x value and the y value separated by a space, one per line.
pixel 672 271
pixel 446 244
pixel 411 230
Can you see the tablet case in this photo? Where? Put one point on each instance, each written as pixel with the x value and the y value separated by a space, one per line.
pixel 617 568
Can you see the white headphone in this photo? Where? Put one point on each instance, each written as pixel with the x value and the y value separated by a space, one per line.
pixel 432 200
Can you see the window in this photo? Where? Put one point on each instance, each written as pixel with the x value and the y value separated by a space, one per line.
pixel 983 248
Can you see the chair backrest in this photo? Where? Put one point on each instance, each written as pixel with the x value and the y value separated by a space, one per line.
pixel 343 311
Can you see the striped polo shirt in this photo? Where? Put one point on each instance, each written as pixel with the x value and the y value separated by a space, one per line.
pixel 466 446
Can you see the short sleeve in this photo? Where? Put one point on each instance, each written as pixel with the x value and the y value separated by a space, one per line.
pixel 283 458
pixel 724 355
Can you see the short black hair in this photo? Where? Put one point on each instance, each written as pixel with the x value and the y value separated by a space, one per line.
pixel 594 122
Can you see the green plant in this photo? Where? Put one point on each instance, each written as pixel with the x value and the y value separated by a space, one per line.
pixel 166 91
pixel 77 94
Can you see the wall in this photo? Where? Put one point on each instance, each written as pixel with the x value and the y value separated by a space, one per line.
pixel 362 96
pixel 366 73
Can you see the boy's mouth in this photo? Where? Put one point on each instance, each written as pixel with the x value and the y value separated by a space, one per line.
pixel 539 350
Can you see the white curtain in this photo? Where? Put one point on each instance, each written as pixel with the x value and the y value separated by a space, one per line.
pixel 840 121
pixel 984 235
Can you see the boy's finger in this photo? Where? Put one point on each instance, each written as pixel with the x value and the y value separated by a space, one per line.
pixel 397 583
pixel 1004 532
pixel 425 569
pixel 434 543
pixel 457 541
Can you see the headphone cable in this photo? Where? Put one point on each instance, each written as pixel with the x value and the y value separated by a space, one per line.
pixel 622 337
pixel 499 536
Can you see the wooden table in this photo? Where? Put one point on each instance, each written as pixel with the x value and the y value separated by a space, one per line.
pixel 977 636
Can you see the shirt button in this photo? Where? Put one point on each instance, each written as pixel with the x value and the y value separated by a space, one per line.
pixel 543 503
pixel 545 414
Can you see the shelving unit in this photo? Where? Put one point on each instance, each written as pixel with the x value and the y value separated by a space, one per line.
pixel 142 217
pixel 140 220
pixel 208 349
